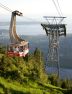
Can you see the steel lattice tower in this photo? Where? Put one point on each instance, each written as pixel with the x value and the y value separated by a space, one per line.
pixel 54 28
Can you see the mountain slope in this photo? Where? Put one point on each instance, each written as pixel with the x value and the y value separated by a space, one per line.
pixel 18 76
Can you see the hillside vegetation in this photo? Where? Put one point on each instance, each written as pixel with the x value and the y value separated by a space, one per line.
pixel 26 76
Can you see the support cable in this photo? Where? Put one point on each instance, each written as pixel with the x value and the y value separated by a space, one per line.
pixel 59 7
pixel 56 8
pixel 5 7
pixel 8 9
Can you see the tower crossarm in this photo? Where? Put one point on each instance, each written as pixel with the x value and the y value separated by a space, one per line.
pixel 52 27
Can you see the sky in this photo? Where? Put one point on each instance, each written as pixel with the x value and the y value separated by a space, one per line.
pixel 37 9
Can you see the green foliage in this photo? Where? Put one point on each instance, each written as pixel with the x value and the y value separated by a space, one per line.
pixel 16 67
pixel 30 88
pixel 38 55
pixel 64 84
pixel 1 90
pixel 2 49
pixel 18 76
pixel 53 79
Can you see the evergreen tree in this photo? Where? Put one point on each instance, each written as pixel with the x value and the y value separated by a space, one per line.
pixel 38 55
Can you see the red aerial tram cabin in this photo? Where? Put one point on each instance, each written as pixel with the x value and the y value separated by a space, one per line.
pixel 17 46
